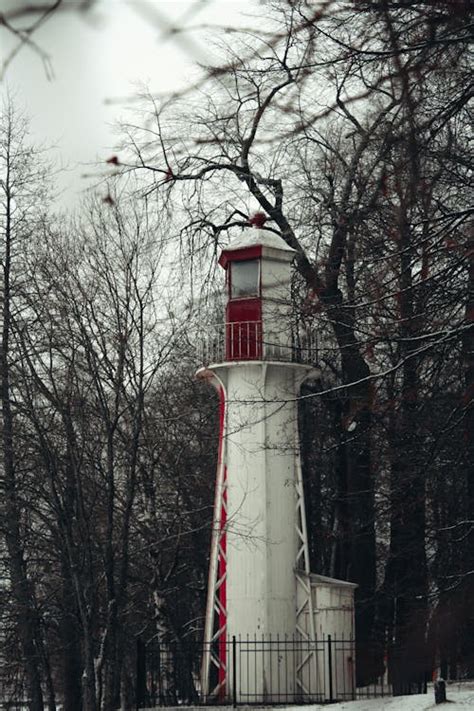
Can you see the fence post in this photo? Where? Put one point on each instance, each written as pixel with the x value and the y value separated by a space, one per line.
pixel 234 672
pixel 140 683
pixel 331 694
pixel 440 691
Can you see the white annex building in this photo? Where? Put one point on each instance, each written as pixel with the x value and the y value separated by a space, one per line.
pixel 274 631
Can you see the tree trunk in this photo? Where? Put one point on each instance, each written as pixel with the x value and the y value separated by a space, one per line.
pixel 26 615
pixel 406 582
pixel 468 357
pixel 358 557
pixel 70 644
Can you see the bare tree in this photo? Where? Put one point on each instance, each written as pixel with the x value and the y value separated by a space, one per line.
pixel 23 193
pixel 340 129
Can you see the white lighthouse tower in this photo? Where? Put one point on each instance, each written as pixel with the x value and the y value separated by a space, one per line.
pixel 261 594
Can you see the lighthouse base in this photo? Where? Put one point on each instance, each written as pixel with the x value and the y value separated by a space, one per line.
pixel 315 665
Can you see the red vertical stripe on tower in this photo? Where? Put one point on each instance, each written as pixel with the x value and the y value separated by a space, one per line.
pixel 223 590
pixel 222 560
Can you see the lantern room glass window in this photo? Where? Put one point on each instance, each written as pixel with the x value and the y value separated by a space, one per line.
pixel 244 279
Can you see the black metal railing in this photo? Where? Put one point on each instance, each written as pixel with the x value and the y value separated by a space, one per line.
pixel 257 671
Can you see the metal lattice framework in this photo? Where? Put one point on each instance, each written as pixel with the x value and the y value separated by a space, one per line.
pixel 307 665
pixel 215 650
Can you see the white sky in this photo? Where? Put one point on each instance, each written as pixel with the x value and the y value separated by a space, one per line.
pixel 101 56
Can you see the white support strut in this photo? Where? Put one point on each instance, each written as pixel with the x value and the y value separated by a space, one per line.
pixel 216 592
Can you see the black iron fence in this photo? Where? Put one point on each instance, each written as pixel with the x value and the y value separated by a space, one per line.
pixel 251 671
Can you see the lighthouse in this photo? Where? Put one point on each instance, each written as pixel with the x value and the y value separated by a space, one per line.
pixel 261 595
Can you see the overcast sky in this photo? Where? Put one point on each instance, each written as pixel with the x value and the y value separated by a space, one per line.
pixel 96 60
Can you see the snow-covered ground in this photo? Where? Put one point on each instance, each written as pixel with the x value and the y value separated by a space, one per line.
pixel 459 696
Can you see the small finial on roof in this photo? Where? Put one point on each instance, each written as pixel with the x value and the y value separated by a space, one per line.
pixel 258 219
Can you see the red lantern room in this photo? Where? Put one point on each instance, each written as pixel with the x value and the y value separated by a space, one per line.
pixel 258 310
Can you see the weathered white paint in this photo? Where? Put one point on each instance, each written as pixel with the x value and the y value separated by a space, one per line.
pixel 333 617
pixel 276 306
pixel 260 454
pixel 261 459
